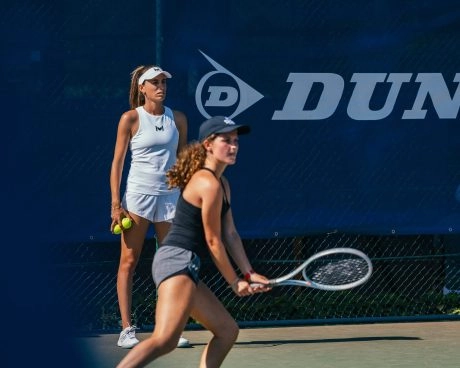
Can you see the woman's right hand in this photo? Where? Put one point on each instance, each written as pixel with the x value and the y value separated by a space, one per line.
pixel 117 215
pixel 243 288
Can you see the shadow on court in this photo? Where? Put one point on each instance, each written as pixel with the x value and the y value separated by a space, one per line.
pixel 322 341
pixel 409 345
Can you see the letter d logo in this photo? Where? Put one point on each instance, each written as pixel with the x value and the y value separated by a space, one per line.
pixel 225 96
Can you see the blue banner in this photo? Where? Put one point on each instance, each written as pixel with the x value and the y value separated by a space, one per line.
pixel 354 114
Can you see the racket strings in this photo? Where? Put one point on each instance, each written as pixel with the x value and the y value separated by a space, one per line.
pixel 337 272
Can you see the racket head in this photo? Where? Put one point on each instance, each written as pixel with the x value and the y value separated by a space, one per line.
pixel 331 270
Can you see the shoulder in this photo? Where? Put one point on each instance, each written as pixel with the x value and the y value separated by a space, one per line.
pixel 204 179
pixel 129 122
pixel 129 117
pixel 202 187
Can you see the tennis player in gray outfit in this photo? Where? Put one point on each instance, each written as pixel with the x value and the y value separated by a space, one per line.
pixel 203 226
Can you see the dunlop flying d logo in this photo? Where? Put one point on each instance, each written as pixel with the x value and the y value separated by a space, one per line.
pixel 408 96
pixel 209 96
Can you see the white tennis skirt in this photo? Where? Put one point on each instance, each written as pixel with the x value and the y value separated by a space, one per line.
pixel 155 208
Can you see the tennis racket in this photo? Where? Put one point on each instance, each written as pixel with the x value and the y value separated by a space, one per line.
pixel 331 270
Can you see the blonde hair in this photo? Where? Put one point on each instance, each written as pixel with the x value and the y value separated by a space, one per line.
pixel 136 98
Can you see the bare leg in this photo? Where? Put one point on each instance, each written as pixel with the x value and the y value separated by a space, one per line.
pixel 175 298
pixel 132 241
pixel 210 312
pixel 161 229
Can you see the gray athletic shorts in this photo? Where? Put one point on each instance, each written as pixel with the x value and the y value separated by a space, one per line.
pixel 170 261
pixel 155 208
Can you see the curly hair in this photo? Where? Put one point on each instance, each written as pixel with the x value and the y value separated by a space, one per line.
pixel 189 161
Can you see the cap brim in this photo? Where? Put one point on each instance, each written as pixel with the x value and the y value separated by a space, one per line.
pixel 244 129
pixel 168 75
pixel 241 129
pixel 150 74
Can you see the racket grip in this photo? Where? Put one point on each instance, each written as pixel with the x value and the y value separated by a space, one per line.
pixel 259 285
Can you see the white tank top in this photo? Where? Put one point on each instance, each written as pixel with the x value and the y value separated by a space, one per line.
pixel 153 152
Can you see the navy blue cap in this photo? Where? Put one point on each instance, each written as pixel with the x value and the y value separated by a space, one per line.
pixel 220 124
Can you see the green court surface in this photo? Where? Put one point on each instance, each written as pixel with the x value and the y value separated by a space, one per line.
pixel 382 345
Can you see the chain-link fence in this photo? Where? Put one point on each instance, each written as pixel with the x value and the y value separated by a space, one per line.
pixel 414 276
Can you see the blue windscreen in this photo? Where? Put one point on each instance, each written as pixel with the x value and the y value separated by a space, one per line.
pixel 354 108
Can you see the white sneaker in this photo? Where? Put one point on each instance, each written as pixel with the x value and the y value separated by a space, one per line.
pixel 127 338
pixel 183 343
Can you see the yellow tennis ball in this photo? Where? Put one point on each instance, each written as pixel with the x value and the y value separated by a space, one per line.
pixel 126 222
pixel 117 229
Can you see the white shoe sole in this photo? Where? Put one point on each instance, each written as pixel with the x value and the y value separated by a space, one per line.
pixel 183 343
pixel 127 346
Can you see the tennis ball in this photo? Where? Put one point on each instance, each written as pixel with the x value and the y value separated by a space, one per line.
pixel 126 222
pixel 117 229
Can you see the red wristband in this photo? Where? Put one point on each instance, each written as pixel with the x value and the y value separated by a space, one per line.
pixel 247 275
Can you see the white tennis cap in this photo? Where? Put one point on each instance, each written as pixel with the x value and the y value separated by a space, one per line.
pixel 152 73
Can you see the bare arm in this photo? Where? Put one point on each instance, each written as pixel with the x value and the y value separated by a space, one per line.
pixel 205 191
pixel 182 127
pixel 210 209
pixel 236 250
pixel 126 125
pixel 234 245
